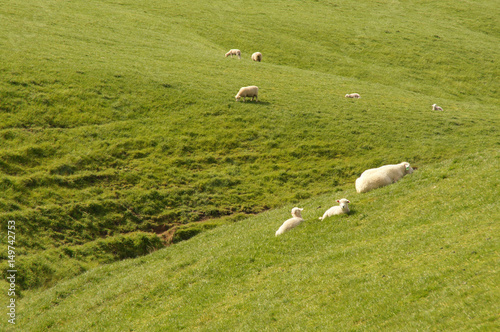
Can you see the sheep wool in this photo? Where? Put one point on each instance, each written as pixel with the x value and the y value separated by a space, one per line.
pixel 338 209
pixel 292 222
pixel 234 52
pixel 353 95
pixel 248 91
pixel 435 107
pixel 382 176
pixel 257 56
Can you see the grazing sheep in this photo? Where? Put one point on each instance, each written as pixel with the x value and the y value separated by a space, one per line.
pixel 257 56
pixel 338 209
pixel 382 176
pixel 234 52
pixel 353 95
pixel 292 222
pixel 436 107
pixel 248 91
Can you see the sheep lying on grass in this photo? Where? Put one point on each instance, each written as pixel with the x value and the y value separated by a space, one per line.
pixel 292 222
pixel 353 95
pixel 257 56
pixel 234 52
pixel 382 176
pixel 436 107
pixel 248 91
pixel 338 209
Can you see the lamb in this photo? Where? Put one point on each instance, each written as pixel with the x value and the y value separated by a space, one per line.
pixel 248 91
pixel 338 209
pixel 257 56
pixel 353 95
pixel 382 176
pixel 436 107
pixel 234 52
pixel 292 222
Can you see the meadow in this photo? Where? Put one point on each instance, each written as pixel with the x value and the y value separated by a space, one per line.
pixel 120 136
pixel 417 255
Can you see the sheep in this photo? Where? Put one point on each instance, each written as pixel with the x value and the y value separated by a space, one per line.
pixel 338 209
pixel 234 52
pixel 248 91
pixel 353 95
pixel 292 222
pixel 257 56
pixel 382 176
pixel 436 107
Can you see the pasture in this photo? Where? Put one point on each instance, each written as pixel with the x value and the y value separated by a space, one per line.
pixel 120 135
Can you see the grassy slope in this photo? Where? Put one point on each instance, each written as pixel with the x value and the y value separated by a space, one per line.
pixel 119 117
pixel 418 255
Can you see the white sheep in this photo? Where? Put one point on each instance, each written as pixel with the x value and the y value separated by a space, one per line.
pixel 292 222
pixel 435 107
pixel 248 91
pixel 382 176
pixel 234 52
pixel 257 56
pixel 338 209
pixel 353 95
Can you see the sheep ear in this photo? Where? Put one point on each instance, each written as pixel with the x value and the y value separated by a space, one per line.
pixel 348 201
pixel 338 201
pixel 407 167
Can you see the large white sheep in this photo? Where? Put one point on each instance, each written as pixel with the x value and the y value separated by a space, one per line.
pixel 382 176
pixel 338 209
pixel 248 91
pixel 436 107
pixel 292 222
pixel 234 52
pixel 353 95
pixel 257 56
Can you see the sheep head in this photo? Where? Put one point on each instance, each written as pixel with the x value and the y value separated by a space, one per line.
pixel 408 168
pixel 343 203
pixel 296 212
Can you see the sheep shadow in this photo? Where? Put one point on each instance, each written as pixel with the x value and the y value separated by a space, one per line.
pixel 352 213
pixel 255 102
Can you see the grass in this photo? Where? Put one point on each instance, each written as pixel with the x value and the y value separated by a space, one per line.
pixel 118 122
pixel 416 255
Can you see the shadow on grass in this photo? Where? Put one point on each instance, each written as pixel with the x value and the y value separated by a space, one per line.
pixel 255 102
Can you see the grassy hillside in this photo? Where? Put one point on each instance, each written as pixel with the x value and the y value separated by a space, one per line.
pixel 118 120
pixel 417 255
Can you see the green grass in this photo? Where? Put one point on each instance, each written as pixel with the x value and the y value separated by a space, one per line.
pixel 417 255
pixel 118 122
